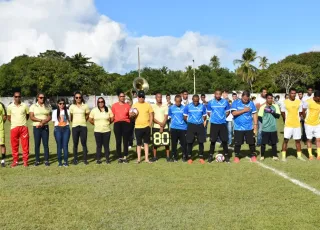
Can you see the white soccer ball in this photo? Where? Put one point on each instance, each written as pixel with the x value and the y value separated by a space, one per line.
pixel 219 158
pixel 134 110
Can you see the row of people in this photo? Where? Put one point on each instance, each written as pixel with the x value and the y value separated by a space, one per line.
pixel 188 123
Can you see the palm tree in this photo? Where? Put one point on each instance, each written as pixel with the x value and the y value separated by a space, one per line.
pixel 214 62
pixel 246 69
pixel 263 64
pixel 79 60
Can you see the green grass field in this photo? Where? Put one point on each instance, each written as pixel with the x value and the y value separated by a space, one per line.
pixel 158 196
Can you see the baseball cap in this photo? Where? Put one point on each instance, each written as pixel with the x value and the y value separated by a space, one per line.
pixel 141 94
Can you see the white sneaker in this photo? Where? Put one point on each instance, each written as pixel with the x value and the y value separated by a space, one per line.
pixel 261 158
pixel 301 158
pixel 284 159
pixel 275 158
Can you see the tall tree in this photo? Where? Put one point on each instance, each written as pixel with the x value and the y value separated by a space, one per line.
pixel 214 62
pixel 246 70
pixel 288 75
pixel 263 64
pixel 79 61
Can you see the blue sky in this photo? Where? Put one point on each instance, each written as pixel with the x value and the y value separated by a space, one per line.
pixel 273 28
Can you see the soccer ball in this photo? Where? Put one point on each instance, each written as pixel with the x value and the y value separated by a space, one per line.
pixel 134 110
pixel 219 158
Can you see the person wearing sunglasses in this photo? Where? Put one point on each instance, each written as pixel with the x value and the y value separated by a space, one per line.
pixel 40 114
pixel 61 118
pixel 101 117
pixel 79 114
pixel 18 114
pixel 122 126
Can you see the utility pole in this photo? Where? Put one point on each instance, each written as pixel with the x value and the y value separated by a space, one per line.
pixel 194 78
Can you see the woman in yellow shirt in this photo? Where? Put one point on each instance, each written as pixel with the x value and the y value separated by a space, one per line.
pixel 40 114
pixel 79 114
pixel 101 117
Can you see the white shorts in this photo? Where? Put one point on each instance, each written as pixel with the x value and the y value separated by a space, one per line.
pixel 294 133
pixel 312 131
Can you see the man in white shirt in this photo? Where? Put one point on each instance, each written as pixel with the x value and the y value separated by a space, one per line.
pixel 309 94
pixel 260 102
pixel 184 95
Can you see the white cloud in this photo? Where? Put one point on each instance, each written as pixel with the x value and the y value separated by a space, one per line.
pixel 72 26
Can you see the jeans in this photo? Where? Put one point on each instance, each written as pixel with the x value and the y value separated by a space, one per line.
pixel 102 139
pixel 122 131
pixel 82 133
pixel 41 134
pixel 259 138
pixel 230 131
pixel 62 136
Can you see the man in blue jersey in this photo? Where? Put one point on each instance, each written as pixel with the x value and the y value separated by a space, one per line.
pixel 219 109
pixel 244 112
pixel 178 129
pixel 195 115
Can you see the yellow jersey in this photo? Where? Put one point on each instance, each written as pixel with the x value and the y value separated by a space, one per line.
pixel 143 118
pixel 40 112
pixel 292 110
pixel 159 113
pixel 101 120
pixel 18 114
pixel 313 112
pixel 79 114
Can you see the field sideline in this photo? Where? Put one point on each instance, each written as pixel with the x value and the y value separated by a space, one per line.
pixel 158 196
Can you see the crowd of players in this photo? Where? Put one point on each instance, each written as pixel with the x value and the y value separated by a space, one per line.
pixel 181 123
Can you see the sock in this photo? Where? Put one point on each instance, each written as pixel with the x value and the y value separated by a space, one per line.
pixel 310 152
pixel 299 154
pixel 318 152
pixel 283 154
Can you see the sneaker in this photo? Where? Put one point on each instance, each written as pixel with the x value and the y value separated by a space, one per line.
pixel 210 159
pixel 120 161
pixel 169 160
pixel 190 161
pixel 25 164
pixel 310 158
pixel 108 162
pixel 60 165
pixel 47 163
pixel 75 162
pixel 236 160
pixel 301 158
pixel 261 158
pixel 284 159
pixel 202 161
pixel 125 161
pixel 3 164
pixel 275 158
pixel 227 159
pixel 154 159
pixel 253 159
pixel 36 163
pixel 65 165
pixel 98 162
pixel 174 159
pixel 14 164
pixel 86 162
pixel 184 159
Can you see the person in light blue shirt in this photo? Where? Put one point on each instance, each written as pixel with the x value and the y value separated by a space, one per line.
pixel 195 115
pixel 244 112
pixel 178 128
pixel 219 109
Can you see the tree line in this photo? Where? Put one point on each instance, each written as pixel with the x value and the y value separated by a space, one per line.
pixel 55 73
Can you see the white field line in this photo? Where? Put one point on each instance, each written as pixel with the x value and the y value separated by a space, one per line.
pixel 295 181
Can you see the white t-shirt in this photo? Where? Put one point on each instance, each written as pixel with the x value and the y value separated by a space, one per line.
pixel 134 100
pixel 62 121
pixel 306 97
pixel 185 102
pixel 260 101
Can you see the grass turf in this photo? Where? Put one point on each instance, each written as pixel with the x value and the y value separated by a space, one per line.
pixel 158 196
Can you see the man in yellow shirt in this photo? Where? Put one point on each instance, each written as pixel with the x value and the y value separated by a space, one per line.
pixel 143 125
pixel 311 113
pixel 291 110
pixel 3 118
pixel 160 126
pixel 18 114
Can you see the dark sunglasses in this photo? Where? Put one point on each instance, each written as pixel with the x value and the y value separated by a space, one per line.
pixel 100 101
pixel 17 96
pixel 61 103
pixel 78 97
pixel 121 96
pixel 141 97
pixel 40 97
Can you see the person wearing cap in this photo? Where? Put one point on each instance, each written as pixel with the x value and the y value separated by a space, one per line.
pixel 143 123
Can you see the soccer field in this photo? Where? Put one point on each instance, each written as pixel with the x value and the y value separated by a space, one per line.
pixel 160 195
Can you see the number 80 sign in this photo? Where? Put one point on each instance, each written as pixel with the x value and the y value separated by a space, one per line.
pixel 161 138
